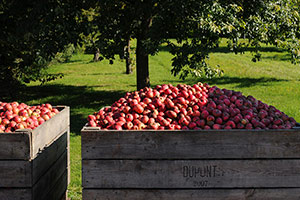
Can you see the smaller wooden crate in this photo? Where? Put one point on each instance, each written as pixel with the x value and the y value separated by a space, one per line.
pixel 212 164
pixel 34 164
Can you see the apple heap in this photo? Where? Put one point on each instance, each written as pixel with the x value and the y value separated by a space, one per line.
pixel 15 116
pixel 186 107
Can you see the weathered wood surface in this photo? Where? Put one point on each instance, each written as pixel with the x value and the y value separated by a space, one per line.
pixel 213 144
pixel 15 194
pixel 202 194
pixel 191 164
pixel 51 178
pixel 46 133
pixel 16 146
pixel 45 160
pixel 69 159
pixel 15 173
pixel 33 162
pixel 65 196
pixel 19 173
pixel 190 173
pixel 59 190
pixel 25 144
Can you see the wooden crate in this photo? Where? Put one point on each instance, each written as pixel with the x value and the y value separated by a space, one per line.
pixel 34 164
pixel 213 164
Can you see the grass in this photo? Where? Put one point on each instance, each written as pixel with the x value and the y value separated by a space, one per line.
pixel 88 86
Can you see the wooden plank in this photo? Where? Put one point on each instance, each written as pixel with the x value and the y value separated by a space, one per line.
pixel 59 190
pixel 15 173
pixel 15 146
pixel 213 144
pixel 65 196
pixel 205 194
pixel 46 133
pixel 190 173
pixel 50 179
pixel 69 160
pixel 15 194
pixel 45 160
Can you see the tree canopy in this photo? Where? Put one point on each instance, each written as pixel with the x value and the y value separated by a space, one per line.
pixel 192 29
pixel 32 32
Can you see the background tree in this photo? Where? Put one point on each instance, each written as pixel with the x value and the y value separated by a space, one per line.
pixel 128 57
pixel 192 29
pixel 117 21
pixel 102 27
pixel 32 32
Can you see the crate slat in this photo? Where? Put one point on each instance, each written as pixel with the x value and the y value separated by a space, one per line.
pixel 50 179
pixel 46 133
pixel 97 144
pixel 15 194
pixel 69 158
pixel 58 192
pixel 16 147
pixel 180 174
pixel 216 194
pixel 43 162
pixel 15 173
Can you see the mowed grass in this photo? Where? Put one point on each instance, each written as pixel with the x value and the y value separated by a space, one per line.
pixel 88 86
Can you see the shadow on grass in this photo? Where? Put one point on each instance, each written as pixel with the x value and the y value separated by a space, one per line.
pixel 241 82
pixel 73 61
pixel 248 49
pixel 278 57
pixel 283 57
pixel 225 49
pixel 102 74
pixel 81 99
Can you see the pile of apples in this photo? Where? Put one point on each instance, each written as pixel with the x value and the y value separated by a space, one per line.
pixel 15 116
pixel 185 107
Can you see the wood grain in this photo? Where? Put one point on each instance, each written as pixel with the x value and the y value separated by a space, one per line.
pixel 50 179
pixel 46 133
pixel 190 174
pixel 15 194
pixel 69 158
pixel 237 144
pixel 59 190
pixel 201 194
pixel 15 173
pixel 45 160
pixel 15 146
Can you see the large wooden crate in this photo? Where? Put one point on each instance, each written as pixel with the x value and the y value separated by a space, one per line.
pixel 34 164
pixel 236 164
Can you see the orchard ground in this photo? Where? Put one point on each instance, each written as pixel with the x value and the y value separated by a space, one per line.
pixel 88 86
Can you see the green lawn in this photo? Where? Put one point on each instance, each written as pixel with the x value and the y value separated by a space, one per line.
pixel 88 86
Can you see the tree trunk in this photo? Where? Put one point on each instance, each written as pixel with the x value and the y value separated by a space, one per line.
pixel 96 55
pixel 128 58
pixel 142 66
pixel 142 56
